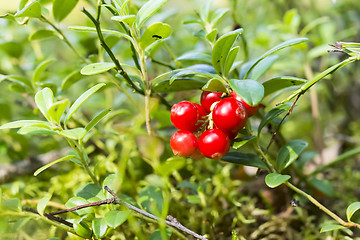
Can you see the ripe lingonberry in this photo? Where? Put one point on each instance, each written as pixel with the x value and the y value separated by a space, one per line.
pixel 183 143
pixel 229 115
pixel 201 115
pixel 208 98
pixel 250 110
pixel 214 143
pixel 184 115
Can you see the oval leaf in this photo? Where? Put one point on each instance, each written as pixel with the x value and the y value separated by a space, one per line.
pixel 42 34
pixel 97 119
pixel 99 226
pixel 246 159
pixel 275 179
pixel 81 100
pixel 77 201
pixel 195 56
pixel 129 19
pixel 181 84
pixel 104 31
pixel 76 133
pixel 147 10
pixel 331 227
pixel 355 206
pixel 72 78
pixel 252 92
pixel 58 109
pixel 96 68
pixel 115 218
pixel 230 60
pixel 113 181
pixel 278 83
pixel 323 186
pixel 40 69
pixel 155 32
pixel 214 85
pixel 37 172
pixel 289 153
pixel 36 130
pixel 13 204
pixel 62 8
pixel 44 99
pixel 23 123
pixel 82 228
pixel 273 113
pixel 33 10
pixel 42 204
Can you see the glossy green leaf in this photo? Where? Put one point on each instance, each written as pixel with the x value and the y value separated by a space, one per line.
pixel 151 199
pixel 37 172
pixel 283 45
pixel 16 79
pixel 230 60
pixel 40 69
pixel 214 85
pixel 33 10
pixel 58 109
pixel 263 67
pixel 202 70
pixel 352 208
pixel 44 99
pixel 273 113
pixel 97 119
pixel 74 107
pixel 323 186
pixel 147 10
pixel 78 201
pixel 128 19
pixel 278 83
pixel 211 36
pixel 36 129
pixel 62 8
pixel 246 159
pixel 99 227
pixel 181 84
pixel 155 32
pixel 13 204
pixel 218 15
pixel 82 228
pixel 42 34
pixel 90 191
pixel 70 79
pixel 289 153
pixel 104 31
pixel 115 218
pixel 221 50
pixel 23 123
pixel 331 227
pixel 42 204
pixel 273 180
pixel 242 142
pixel 195 56
pixel 252 92
pixel 76 133
pixel 113 181
pixel 96 68
pixel 22 4
pixel 171 165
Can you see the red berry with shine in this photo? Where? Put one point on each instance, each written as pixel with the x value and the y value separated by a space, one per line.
pixel 184 115
pixel 250 110
pixel 208 98
pixel 183 143
pixel 214 143
pixel 229 115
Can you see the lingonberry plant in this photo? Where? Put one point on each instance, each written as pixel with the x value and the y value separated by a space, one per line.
pixel 133 112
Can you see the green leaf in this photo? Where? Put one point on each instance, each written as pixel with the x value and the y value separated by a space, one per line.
pixel 242 142
pixel 58 109
pixel 62 8
pixel 202 70
pixel 99 227
pixel 283 45
pixel 331 227
pixel 40 69
pixel 77 201
pixel 71 79
pixel 211 36
pixel 42 204
pixel 128 19
pixel 181 84
pixel 278 83
pixel 147 10
pixel 230 60
pixel 81 100
pixel 90 191
pixel 97 119
pixel 170 165
pixel 289 153
pixel 36 129
pixel 275 179
pixel 82 228
pixel 323 186
pixel 195 56
pixel 252 92
pixel 151 199
pixel 115 218
pixel 221 50
pixel 44 99
pixel 113 181
pixel 104 31
pixel 42 34
pixel 37 172
pixel 246 159
pixel 218 15
pixel 154 32
pixel 214 85
pixel 13 204
pixel 23 123
pixel 95 68
pixel 263 67
pixel 33 10
pixel 16 79
pixel 76 133
pixel 157 235
pixel 352 208
pixel 273 113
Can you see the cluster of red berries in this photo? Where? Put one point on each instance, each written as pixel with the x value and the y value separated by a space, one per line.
pixel 207 129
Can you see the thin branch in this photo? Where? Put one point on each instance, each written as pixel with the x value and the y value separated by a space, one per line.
pixel 98 203
pixel 49 216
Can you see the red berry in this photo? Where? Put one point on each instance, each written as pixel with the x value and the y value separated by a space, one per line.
pixel 229 115
pixel 250 110
pixel 208 98
pixel 201 115
pixel 214 143
pixel 183 143
pixel 184 115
